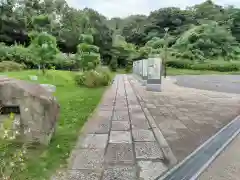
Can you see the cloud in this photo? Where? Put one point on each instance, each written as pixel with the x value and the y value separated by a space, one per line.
pixel 123 8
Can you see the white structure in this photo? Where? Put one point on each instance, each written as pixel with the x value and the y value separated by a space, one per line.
pixel 145 71
pixel 149 70
pixel 154 74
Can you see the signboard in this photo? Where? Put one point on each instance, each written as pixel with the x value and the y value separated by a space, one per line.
pixel 154 68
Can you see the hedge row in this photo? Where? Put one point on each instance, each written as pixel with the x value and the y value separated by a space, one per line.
pixel 211 66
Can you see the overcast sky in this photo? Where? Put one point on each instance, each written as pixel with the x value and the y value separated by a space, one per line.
pixel 123 8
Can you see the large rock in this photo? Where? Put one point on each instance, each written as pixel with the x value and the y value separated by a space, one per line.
pixel 39 109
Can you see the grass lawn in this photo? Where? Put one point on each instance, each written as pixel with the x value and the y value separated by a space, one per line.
pixel 76 105
pixel 174 72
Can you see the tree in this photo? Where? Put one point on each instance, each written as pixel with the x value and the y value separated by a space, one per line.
pixel 235 26
pixel 88 55
pixel 44 47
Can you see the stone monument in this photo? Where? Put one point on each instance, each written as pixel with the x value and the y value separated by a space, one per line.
pixel 154 74
pixel 37 108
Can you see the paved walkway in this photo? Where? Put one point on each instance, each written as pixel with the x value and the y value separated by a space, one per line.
pixel 118 142
pixel 226 166
pixel 122 140
pixel 187 117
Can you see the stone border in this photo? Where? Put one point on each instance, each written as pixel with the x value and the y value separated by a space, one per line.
pixel 167 152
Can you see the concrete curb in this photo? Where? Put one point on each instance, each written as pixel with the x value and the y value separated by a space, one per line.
pixel 167 152
pixel 199 148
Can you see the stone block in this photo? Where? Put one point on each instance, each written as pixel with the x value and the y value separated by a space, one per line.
pixel 151 170
pixel 88 159
pixel 120 153
pixel 120 116
pixel 94 141
pixel 120 125
pixel 120 173
pixel 83 175
pixel 39 110
pixel 120 137
pixel 148 150
pixel 143 135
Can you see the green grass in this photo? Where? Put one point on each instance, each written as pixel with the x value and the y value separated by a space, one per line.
pixel 76 105
pixel 174 72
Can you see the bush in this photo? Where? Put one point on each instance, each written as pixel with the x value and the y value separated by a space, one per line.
pixel 11 66
pixel 94 78
pixel 225 67
pixel 221 66
pixel 180 64
pixel 17 53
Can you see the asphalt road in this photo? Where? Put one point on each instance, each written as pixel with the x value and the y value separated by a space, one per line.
pixel 220 83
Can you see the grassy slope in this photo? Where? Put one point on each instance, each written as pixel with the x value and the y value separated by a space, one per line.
pixel 76 105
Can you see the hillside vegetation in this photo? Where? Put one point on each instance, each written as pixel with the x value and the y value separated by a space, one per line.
pixel 201 34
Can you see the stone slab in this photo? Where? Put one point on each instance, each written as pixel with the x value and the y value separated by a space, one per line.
pixel 95 141
pixel 151 170
pixel 120 137
pixel 120 173
pixel 140 124
pixel 119 154
pixel 88 159
pixel 142 135
pixel 120 116
pixel 83 175
pixel 102 127
pixel 120 126
pixel 148 150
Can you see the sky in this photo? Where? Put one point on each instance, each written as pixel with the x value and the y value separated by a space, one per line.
pixel 123 8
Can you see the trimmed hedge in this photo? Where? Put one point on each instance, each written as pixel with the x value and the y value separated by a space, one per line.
pixel 210 66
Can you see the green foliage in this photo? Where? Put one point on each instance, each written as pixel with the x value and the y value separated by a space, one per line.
pixel 12 162
pixel 94 78
pixel 88 55
pixel 123 51
pixel 205 41
pixel 128 68
pixel 17 53
pixel 113 64
pixel 222 66
pixel 11 66
pixel 180 64
pixel 44 47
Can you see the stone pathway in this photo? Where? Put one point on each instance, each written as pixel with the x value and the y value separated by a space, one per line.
pixel 118 142
pixel 187 117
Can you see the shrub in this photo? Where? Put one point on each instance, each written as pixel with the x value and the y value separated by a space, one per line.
pixel 180 64
pixel 222 66
pixel 225 67
pixel 11 66
pixel 17 53
pixel 94 78
pixel 106 76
